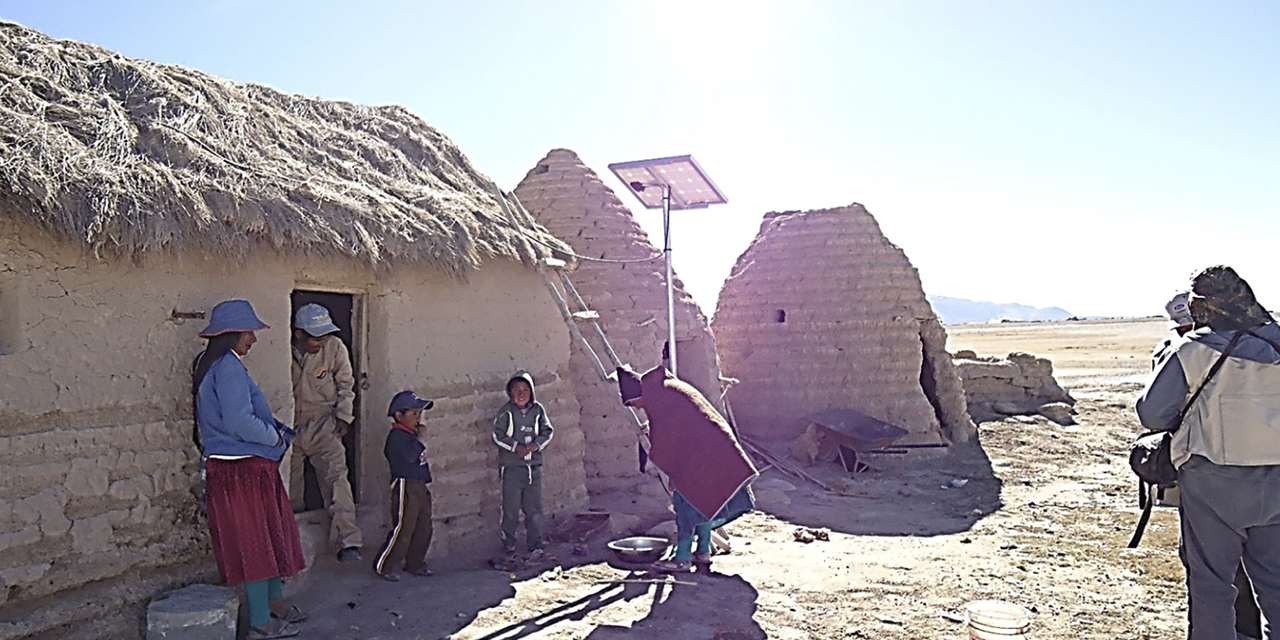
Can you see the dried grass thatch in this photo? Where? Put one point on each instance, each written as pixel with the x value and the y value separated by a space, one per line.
pixel 133 157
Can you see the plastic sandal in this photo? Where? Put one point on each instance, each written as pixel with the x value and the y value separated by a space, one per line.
pixel 276 628
pixel 671 566
pixel 702 558
pixel 292 615
pixel 391 576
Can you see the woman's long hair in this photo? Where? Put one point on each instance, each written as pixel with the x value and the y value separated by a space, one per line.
pixel 219 345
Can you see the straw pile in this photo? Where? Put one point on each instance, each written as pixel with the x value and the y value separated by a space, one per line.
pixel 135 157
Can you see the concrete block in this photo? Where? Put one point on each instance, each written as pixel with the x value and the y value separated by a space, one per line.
pixel 195 612
pixel 665 529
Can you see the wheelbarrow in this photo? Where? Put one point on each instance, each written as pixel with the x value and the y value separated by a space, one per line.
pixel 858 434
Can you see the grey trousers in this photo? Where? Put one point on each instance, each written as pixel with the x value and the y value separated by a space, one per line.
pixel 522 491
pixel 1229 513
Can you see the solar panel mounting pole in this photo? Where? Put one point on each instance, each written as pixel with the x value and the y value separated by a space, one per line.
pixel 684 186
pixel 666 251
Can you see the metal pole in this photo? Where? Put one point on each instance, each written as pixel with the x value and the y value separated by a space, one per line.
pixel 666 249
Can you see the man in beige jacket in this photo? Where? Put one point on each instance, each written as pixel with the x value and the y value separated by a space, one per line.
pixel 323 398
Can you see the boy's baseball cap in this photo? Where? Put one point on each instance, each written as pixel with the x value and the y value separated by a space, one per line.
pixel 407 400
pixel 315 320
pixel 1178 309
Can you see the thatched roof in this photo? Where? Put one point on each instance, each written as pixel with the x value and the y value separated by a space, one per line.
pixel 135 157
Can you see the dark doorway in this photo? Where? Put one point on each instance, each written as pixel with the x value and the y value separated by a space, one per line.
pixel 929 381
pixel 341 308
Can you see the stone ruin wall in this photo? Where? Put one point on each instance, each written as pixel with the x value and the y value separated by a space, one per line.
pixel 823 312
pixel 571 201
pixel 1020 384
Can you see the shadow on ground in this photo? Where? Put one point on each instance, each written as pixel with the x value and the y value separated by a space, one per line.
pixel 914 495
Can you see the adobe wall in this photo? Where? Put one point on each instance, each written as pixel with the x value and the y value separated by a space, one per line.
pixel 822 312
pixel 569 200
pixel 97 512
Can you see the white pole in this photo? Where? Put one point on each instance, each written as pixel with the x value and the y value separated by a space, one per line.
pixel 671 309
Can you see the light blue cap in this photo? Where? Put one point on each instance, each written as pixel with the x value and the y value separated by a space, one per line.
pixel 315 320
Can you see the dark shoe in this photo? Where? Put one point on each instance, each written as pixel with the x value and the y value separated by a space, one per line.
pixel 350 554
pixel 292 614
pixel 391 576
pixel 421 572
pixel 276 628
pixel 672 566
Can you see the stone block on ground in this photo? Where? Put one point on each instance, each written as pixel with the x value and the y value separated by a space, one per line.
pixel 665 529
pixel 195 612
pixel 1059 412
pixel 769 498
pixel 773 483
pixel 622 524
pixel 1008 409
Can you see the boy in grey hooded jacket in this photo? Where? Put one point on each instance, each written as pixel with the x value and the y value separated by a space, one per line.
pixel 521 430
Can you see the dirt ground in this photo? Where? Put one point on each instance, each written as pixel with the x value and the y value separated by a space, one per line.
pixel 1031 512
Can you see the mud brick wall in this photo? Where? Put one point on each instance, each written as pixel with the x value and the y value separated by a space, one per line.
pixel 466 489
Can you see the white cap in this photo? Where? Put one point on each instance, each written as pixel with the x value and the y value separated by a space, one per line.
pixel 1178 310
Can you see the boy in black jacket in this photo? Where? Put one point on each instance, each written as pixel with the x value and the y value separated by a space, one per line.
pixel 410 494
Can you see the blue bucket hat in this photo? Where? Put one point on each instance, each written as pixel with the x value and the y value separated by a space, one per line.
pixel 315 320
pixel 232 315
pixel 407 400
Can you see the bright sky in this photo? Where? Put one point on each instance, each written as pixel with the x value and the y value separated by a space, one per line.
pixel 1086 154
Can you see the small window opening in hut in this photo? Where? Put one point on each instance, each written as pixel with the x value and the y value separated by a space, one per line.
pixel 344 311
pixel 10 329
pixel 782 316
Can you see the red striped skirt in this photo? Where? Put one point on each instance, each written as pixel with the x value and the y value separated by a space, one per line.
pixel 251 523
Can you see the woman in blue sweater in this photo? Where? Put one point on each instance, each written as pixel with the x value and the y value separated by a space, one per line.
pixel 251 525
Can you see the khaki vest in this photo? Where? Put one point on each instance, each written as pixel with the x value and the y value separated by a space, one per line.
pixel 1236 419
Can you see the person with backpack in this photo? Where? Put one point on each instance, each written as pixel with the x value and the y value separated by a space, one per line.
pixel 1226 449
pixel 1248 620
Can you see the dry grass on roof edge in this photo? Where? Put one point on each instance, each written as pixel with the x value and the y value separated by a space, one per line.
pixel 130 156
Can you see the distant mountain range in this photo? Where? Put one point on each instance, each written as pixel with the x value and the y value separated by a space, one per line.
pixel 962 311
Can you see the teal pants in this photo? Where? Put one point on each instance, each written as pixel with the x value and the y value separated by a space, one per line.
pixel 258 595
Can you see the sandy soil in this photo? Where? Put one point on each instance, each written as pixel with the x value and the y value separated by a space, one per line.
pixel 1032 512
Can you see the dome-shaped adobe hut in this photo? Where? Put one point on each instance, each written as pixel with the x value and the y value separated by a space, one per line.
pixel 822 312
pixel 629 292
